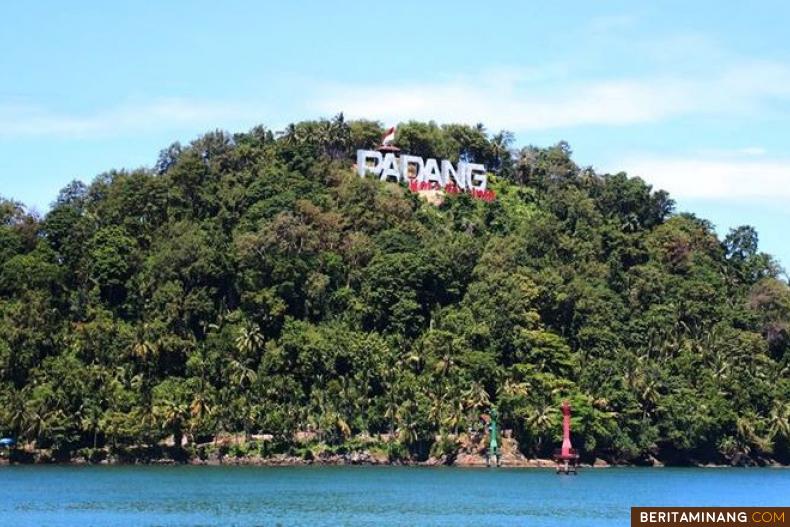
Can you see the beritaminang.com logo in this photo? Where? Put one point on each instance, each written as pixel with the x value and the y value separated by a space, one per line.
pixel 710 516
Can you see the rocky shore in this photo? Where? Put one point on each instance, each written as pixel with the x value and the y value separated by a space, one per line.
pixel 229 451
pixel 361 458
pixel 234 451
pixel 368 458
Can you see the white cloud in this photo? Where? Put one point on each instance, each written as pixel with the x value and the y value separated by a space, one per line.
pixel 727 177
pixel 504 103
pixel 518 99
pixel 27 120
pixel 523 103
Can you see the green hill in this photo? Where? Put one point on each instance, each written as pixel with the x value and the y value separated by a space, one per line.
pixel 254 283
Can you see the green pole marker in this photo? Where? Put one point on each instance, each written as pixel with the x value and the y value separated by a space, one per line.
pixel 493 443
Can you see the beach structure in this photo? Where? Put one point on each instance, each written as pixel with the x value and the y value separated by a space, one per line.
pixel 6 444
pixel 567 458
pixel 493 441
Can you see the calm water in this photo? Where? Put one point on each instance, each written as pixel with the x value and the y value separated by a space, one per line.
pixel 209 496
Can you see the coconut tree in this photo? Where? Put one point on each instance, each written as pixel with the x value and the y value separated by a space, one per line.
pixel 779 420
pixel 748 432
pixel 455 417
pixel 249 339
pixel 144 347
pixel 241 374
pixel 500 146
pixel 36 425
pixel 90 420
pixel 173 416
pixel 476 397
pixel 199 410
pixel 15 411
pixel 408 424
pixel 539 421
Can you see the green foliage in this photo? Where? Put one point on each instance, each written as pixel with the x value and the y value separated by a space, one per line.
pixel 253 284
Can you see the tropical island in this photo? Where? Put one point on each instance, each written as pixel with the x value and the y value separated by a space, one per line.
pixel 250 298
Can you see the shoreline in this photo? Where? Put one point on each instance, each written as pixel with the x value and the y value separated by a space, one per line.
pixel 363 459
pixel 260 450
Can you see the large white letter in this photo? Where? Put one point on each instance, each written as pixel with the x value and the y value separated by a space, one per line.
pixel 459 176
pixel 405 161
pixel 389 167
pixel 477 175
pixel 432 173
pixel 363 156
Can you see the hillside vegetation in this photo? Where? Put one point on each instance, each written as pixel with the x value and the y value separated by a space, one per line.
pixel 253 283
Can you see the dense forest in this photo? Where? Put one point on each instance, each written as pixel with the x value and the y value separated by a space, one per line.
pixel 252 283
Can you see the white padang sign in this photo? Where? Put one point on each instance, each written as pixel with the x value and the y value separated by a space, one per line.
pixel 425 174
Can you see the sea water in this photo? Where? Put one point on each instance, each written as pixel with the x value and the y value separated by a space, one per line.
pixel 315 496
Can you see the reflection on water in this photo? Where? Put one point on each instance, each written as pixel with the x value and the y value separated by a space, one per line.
pixel 219 496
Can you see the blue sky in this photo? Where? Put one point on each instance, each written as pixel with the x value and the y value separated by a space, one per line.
pixel 692 96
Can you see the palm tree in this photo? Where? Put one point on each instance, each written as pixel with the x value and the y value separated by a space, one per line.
pixel 342 426
pixel 391 413
pixel 500 146
pixel 36 423
pixel 436 410
pixel 321 134
pixel 249 340
pixel 391 370
pixel 349 401
pixel 291 135
pixel 89 422
pixel 455 417
pixel 199 409
pixel 455 414
pixel 746 428
pixel 719 362
pixel 142 349
pixel 513 388
pixel 779 420
pixel 510 395
pixel 17 413
pixel 407 423
pixel 143 346
pixel 649 396
pixel 539 421
pixel 173 416
pixel 241 374
pixel 729 446
pixel 476 397
pixel 445 363
pixel 339 137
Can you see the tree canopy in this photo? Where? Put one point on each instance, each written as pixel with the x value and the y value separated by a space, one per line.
pixel 254 283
